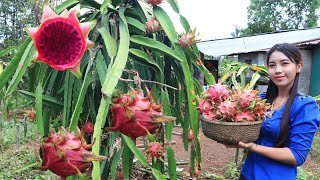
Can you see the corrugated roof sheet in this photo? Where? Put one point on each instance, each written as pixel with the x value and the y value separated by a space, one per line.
pixel 248 44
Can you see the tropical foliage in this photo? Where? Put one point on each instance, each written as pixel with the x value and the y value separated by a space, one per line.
pixel 270 16
pixel 124 55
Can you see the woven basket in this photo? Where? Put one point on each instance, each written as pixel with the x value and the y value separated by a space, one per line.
pixel 230 133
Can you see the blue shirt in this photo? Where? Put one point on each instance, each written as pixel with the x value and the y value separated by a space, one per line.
pixel 304 123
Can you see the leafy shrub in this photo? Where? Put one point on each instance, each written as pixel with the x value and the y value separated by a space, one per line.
pixel 233 172
pixel 305 175
pixel 17 163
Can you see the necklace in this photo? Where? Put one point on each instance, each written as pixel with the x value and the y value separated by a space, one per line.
pixel 270 113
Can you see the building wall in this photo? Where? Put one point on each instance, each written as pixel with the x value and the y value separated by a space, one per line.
pixel 314 89
pixel 305 75
pixel 259 58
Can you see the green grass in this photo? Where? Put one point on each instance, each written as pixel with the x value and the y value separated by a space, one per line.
pixel 9 133
pixel 232 172
pixel 315 149
pixel 305 175
pixel 18 164
pixel 23 161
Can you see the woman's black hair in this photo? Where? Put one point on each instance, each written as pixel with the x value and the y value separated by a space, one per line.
pixel 293 53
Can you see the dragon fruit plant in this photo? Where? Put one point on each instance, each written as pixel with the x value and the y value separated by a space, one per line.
pixel 31 114
pixel 155 150
pixel 188 39
pixel 154 2
pixel 66 154
pixel 88 128
pixel 74 61
pixel 219 103
pixel 135 115
pixel 152 26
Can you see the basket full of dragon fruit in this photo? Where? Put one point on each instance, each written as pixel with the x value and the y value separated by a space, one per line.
pixel 231 115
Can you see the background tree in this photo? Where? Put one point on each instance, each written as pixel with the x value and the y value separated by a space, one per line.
pixel 269 16
pixel 15 15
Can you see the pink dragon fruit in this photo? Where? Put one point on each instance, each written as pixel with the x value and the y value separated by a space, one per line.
pixel 187 39
pixel 65 154
pixel 155 150
pixel 32 115
pixel 88 128
pixel 206 109
pixel 135 115
pixel 260 110
pixel 244 116
pixel 152 26
pixel 154 2
pixel 227 110
pixel 190 136
pixel 219 103
pixel 217 92
pixel 196 173
pixel 205 106
pixel 61 40
pixel 246 96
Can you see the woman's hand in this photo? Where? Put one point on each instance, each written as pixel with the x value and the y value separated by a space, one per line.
pixel 246 145
pixel 242 145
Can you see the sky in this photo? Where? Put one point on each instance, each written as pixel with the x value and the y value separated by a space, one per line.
pixel 214 19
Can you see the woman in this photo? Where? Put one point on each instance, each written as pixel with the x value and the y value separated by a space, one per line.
pixel 286 134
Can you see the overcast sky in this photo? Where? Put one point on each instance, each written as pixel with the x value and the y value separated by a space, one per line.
pixel 214 19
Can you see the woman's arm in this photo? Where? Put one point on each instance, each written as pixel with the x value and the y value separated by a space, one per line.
pixel 283 155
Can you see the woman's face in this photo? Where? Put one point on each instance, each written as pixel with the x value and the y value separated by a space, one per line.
pixel 282 70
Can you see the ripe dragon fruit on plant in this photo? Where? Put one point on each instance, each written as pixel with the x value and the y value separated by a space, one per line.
pixel 65 154
pixel 88 128
pixel 187 39
pixel 31 114
pixel 190 136
pixel 152 26
pixel 135 115
pixel 154 2
pixel 155 150
pixel 61 40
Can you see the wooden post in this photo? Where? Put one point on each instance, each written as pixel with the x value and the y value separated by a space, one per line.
pixel 25 127
pixel 18 136
pixel 236 157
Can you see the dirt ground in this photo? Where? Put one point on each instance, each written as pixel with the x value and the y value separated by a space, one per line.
pixel 215 156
